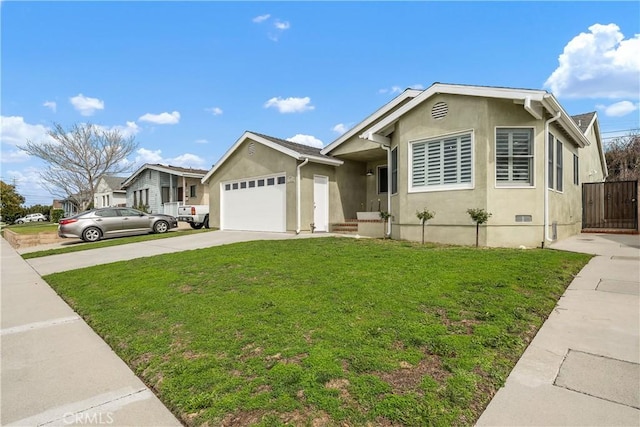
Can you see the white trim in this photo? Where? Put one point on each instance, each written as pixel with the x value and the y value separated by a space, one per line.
pixel 441 187
pixel 408 93
pixel 257 138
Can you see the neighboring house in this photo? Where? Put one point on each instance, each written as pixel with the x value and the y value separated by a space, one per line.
pixel 71 204
pixel 109 192
pixel 513 152
pixel 161 188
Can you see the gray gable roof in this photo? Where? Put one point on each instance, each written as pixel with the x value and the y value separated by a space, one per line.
pixel 300 148
pixel 114 182
pixel 583 120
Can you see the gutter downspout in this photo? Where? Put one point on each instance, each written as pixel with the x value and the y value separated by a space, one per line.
pixel 388 150
pixel 546 177
pixel 298 207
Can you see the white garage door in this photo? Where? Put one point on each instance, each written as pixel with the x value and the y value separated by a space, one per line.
pixel 254 204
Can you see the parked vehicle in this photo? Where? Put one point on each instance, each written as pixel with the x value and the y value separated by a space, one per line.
pixel 196 215
pixel 34 217
pixel 96 224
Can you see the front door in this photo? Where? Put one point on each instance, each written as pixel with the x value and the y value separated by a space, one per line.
pixel 321 202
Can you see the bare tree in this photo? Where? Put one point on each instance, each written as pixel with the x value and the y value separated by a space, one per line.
pixel 79 157
pixel 623 157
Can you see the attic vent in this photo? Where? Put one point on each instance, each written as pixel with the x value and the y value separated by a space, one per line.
pixel 439 110
pixel 251 148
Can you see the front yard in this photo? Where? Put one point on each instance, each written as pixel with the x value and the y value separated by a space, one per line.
pixel 329 331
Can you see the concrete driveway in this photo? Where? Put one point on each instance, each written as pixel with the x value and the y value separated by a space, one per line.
pixel 88 258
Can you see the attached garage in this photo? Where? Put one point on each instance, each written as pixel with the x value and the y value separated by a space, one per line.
pixel 269 184
pixel 254 204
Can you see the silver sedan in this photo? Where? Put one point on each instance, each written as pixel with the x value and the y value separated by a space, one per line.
pixel 96 224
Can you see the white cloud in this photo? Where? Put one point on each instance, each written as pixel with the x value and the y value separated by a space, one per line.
pixel 618 109
pixel 598 64
pixel 290 105
pixel 279 28
pixel 201 141
pixel 13 156
pixel 339 128
pixel 309 140
pixel 216 111
pixel 51 105
pixel 15 131
pixel 162 118
pixel 282 25
pixel 85 105
pixel 261 18
pixel 397 89
pixel 186 160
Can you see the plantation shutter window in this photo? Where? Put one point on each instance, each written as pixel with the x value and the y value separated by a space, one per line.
pixel 559 165
pixel 514 157
pixel 445 163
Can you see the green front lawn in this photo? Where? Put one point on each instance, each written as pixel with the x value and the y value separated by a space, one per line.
pixel 33 228
pixel 329 331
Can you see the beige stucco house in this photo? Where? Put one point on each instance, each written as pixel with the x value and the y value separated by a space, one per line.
pixel 109 192
pixel 513 152
pixel 162 188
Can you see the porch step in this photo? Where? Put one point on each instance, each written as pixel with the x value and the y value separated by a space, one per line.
pixel 345 227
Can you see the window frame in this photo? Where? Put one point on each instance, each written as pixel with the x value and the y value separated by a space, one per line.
pixel 193 190
pixel 559 169
pixel 532 156
pixel 576 169
pixel 441 187
pixel 394 170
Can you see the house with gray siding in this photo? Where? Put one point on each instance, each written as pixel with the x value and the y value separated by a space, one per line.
pixel 159 188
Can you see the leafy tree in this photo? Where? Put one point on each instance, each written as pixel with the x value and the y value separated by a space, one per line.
pixel 10 202
pixel 424 216
pixel 78 158
pixel 479 216
pixel 623 157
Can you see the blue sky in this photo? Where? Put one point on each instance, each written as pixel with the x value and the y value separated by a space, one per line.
pixel 188 78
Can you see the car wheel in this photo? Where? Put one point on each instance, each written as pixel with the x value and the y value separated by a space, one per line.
pixel 206 221
pixel 196 225
pixel 19 221
pixel 91 234
pixel 40 219
pixel 161 227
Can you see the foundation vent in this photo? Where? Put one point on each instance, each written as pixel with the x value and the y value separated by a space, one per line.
pixel 524 218
pixel 439 110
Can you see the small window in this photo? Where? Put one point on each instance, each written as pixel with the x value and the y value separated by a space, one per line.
pixel 252 184
pixel 281 180
pixel 576 171
pixel 551 151
pixel 383 179
pixel 524 218
pixel 271 181
pixel 514 157
pixel 227 187
pixel 559 165
pixel 192 191
pixel 243 184
pixel 234 186
pixel 261 183
pixel 394 171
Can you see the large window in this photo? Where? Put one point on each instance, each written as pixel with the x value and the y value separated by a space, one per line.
pixel 441 164
pixel 514 157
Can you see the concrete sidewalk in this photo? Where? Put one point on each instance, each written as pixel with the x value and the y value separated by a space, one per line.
pixel 582 368
pixel 55 370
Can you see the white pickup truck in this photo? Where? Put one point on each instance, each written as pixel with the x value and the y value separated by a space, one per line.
pixel 196 215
